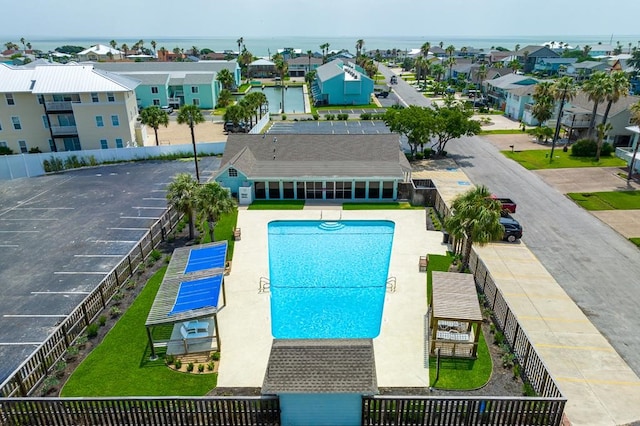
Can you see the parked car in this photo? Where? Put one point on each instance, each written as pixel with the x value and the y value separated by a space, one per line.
pixel 512 229
pixel 383 94
pixel 232 127
pixel 167 109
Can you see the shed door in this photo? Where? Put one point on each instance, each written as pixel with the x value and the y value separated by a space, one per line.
pixel 320 409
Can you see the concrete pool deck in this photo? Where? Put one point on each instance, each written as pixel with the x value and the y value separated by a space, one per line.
pixel 245 322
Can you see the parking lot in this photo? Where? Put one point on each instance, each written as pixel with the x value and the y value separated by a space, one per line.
pixel 62 234
pixel 324 127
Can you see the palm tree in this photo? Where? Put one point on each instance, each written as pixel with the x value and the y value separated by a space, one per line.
pixel 515 65
pixel 281 66
pixel 476 218
pixel 155 117
pixel 181 194
pixel 195 51
pixel 635 118
pixel 163 53
pixel 564 90
pixel 22 41
pixel 437 70
pixel 543 102
pixel 618 87
pixel 359 45
pixel 226 79
pixel 153 45
pixel 140 44
pixel 424 49
pixel 212 201
pixel 482 74
pixel 309 55
pixel 517 48
pixel 325 51
pixel 240 41
pixel 191 116
pixel 29 45
pixel 124 48
pixel 113 44
pixel 596 89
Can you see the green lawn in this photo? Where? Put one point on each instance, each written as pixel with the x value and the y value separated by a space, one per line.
pixel 537 159
pixel 635 241
pixel 614 200
pixel 277 205
pixel 380 206
pixel 120 365
pixel 455 373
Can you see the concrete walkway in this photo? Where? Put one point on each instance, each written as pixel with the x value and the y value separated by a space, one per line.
pixel 600 387
pixel 245 323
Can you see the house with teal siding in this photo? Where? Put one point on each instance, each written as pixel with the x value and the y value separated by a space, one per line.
pixel 175 83
pixel 341 83
pixel 313 167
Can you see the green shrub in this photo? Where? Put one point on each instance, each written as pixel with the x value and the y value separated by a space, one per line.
pixel 606 150
pixel 170 359
pixel 102 320
pixel 155 254
pixel 93 161
pixel 72 353
pixel 81 341
pixel 498 338
pixel 114 311
pixel 584 148
pixel 316 116
pixel 190 367
pixel 35 150
pixel 528 390
pixel 329 117
pixel 419 156
pixel 284 117
pixel 92 330
pixel 177 364
pixel 365 116
pixel 200 368
pixel 117 297
pixel 210 366
pixel 5 150
pixel 215 356
pixel 60 367
pixel 49 384
pixel 130 284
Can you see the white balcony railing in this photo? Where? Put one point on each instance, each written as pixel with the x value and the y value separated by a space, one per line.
pixel 58 106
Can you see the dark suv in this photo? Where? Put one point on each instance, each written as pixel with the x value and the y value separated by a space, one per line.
pixel 512 229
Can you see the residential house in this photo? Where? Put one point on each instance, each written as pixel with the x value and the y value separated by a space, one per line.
pixel 552 66
pixel 601 50
pixel 313 167
pixel 262 68
pixel 175 83
pixel 100 52
pixel 302 65
pixel 496 89
pixel 65 108
pixel 581 71
pixel 518 104
pixel 530 55
pixel 341 83
pixel 461 70
pixel 577 116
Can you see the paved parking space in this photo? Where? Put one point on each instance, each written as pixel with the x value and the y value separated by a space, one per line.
pixel 329 127
pixel 358 111
pixel 60 235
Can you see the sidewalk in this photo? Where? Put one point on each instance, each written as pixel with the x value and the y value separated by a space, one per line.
pixel 599 386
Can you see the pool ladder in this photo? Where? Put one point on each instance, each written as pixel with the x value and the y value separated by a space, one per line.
pixel 264 285
pixel 391 284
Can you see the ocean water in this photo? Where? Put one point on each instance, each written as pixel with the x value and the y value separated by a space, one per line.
pixel 267 46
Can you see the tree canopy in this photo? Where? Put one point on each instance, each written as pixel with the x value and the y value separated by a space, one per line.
pixel 154 117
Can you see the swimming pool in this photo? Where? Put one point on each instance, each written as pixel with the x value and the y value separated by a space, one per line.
pixel 293 98
pixel 328 279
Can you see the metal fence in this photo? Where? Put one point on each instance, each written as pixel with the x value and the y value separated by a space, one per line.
pixel 252 411
pixel 34 369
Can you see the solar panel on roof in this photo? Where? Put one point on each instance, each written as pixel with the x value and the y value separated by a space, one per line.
pixel 197 294
pixel 206 258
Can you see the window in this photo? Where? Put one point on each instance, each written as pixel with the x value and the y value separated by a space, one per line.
pixel 23 147
pixel 154 89
pixel 194 89
pixel 94 97
pixel 41 99
pixel 10 100
pixel 233 172
pixel 196 102
pixel 16 123
pixel 115 120
pixel 111 97
pixel 52 145
pixel 99 121
pixel 3 144
pixel 104 144
pixel 156 102
pixel 119 143
pixel 45 121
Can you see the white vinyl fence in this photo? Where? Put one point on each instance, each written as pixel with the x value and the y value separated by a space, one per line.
pixel 30 165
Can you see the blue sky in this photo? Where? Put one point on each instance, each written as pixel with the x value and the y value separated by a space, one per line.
pixel 352 18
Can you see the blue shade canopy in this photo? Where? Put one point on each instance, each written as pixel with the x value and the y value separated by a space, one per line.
pixel 197 294
pixel 206 258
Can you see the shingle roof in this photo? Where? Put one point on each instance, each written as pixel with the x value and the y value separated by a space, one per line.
pixel 304 60
pixel 158 78
pixel 261 63
pixel 455 296
pixel 511 80
pixel 321 366
pixel 199 78
pixel 307 156
pixel 581 100
pixel 329 70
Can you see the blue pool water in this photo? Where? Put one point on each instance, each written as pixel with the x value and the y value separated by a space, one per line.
pixel 328 279
pixel 293 98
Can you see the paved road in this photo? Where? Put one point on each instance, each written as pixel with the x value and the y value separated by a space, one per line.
pixel 61 234
pixel 408 94
pixel 595 265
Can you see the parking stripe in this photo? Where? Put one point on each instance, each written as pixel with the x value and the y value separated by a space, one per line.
pixel 128 229
pixel 80 273
pixel 98 255
pixel 20 343
pixel 139 217
pixel 60 292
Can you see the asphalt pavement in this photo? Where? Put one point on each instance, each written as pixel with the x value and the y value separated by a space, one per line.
pixel 61 234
